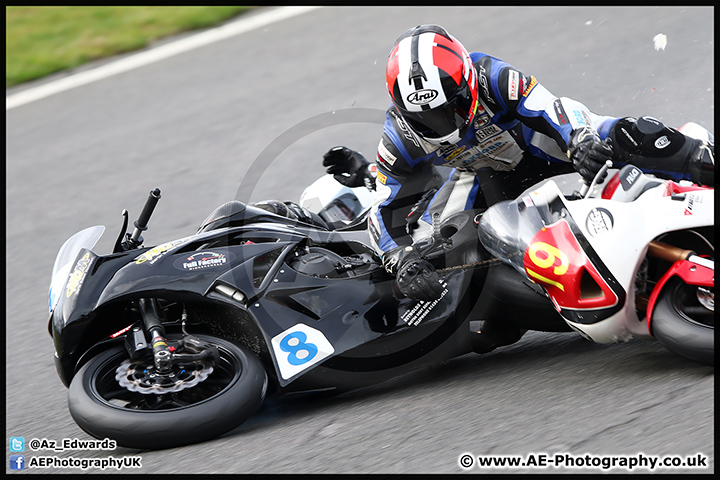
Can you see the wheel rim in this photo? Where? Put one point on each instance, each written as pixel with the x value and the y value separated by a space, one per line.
pixel 107 390
pixel 688 304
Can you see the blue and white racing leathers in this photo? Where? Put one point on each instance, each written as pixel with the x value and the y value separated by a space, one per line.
pixel 517 119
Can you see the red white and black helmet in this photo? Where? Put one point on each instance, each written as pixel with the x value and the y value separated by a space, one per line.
pixel 433 83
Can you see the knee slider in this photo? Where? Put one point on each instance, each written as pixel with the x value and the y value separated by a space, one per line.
pixel 644 137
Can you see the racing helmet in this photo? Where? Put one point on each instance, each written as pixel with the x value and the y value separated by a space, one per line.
pixel 433 84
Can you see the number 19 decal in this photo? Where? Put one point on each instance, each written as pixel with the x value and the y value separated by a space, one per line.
pixel 298 348
pixel 547 260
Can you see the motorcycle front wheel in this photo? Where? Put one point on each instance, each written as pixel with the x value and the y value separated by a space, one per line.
pixel 224 399
pixel 682 324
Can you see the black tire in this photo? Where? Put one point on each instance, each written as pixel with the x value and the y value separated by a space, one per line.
pixel 682 325
pixel 224 400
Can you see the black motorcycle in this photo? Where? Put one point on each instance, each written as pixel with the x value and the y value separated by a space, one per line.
pixel 180 342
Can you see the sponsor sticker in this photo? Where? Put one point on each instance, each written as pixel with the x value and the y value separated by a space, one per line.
pixel 579 118
pixel 692 201
pixel 560 112
pixel 299 348
pixel 628 180
pixel 487 143
pixel 76 278
pixel 203 260
pixel 382 178
pixel 586 117
pixel 530 86
pixel 598 221
pixel 456 153
pixel 481 120
pixel 421 309
pixel 484 133
pixel 385 154
pixel 513 84
pixel 153 254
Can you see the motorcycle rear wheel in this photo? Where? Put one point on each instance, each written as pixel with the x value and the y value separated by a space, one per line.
pixel 682 325
pixel 224 400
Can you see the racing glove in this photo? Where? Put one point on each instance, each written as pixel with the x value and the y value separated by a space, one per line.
pixel 416 278
pixel 588 153
pixel 349 167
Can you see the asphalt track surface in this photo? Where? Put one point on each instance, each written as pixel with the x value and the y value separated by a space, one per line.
pixel 195 125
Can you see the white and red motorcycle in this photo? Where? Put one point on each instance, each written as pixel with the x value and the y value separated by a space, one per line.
pixel 632 257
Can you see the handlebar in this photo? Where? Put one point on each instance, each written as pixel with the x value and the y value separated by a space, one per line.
pixel 148 209
pixel 142 221
pixel 587 187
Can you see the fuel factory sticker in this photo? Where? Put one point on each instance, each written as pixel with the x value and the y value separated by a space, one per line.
pixel 203 260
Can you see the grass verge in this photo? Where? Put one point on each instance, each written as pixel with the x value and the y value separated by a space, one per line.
pixel 45 40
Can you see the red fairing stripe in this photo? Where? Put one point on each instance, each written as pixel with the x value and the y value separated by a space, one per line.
pixel 691 273
pixel 673 188
pixel 611 186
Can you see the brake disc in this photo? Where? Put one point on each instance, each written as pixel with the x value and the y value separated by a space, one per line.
pixel 706 297
pixel 143 377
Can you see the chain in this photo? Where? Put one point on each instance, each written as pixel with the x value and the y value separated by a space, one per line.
pixel 490 262
pixel 472 266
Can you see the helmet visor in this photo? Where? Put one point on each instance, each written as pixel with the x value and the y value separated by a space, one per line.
pixel 444 120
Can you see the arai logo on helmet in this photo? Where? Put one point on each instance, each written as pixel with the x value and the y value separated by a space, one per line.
pixel 422 97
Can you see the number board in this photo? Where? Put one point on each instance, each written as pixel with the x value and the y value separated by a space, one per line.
pixel 555 259
pixel 299 348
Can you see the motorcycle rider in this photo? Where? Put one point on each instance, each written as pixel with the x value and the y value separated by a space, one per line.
pixel 501 131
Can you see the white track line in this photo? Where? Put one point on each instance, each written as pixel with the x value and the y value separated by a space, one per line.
pixel 244 24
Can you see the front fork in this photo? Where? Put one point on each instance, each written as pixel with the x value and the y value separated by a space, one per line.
pixel 150 312
pixel 670 254
pixel 188 349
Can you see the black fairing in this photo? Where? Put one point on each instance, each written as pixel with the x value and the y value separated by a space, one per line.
pixel 288 273
pixel 236 213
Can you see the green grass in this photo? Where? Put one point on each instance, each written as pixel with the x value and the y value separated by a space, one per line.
pixel 44 40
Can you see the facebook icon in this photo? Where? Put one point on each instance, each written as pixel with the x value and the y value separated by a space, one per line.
pixel 17 462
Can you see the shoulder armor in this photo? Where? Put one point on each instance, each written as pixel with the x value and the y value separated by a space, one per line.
pixel 482 66
pixel 399 147
pixel 502 86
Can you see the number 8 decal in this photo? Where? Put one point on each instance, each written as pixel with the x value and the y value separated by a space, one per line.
pixel 299 351
pixel 299 348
